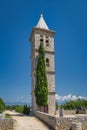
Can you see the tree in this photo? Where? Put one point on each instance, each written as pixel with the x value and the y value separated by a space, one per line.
pixel 75 104
pixel 41 89
pixel 26 110
pixel 2 105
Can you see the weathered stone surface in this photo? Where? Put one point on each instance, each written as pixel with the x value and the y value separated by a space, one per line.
pixel 76 126
pixel 7 124
pixel 61 112
pixel 64 123
pixel 50 120
pixel 67 122
pixel 68 112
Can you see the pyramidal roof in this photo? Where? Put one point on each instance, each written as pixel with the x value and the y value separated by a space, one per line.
pixel 42 24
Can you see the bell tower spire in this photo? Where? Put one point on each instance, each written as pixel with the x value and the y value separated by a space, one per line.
pixel 41 23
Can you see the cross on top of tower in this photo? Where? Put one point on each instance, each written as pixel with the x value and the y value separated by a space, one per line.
pixel 42 24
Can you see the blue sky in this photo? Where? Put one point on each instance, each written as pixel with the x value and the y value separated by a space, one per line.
pixel 69 19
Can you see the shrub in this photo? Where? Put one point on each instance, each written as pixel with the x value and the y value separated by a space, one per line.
pixel 7 116
pixel 75 104
pixel 19 109
pixel 26 110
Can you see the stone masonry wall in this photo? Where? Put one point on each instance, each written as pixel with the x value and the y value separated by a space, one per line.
pixel 51 83
pixel 68 112
pixel 49 120
pixel 51 106
pixel 37 40
pixel 62 123
pixel 7 124
pixel 65 123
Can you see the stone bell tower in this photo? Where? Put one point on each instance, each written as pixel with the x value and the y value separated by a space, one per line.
pixel 42 34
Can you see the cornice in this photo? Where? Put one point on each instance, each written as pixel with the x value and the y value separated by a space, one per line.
pixel 46 51
pixel 40 30
pixel 51 93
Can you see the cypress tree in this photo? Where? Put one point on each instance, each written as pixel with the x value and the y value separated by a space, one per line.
pixel 41 88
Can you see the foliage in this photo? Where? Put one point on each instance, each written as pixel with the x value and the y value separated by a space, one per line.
pixel 57 106
pixel 26 110
pixel 12 107
pixel 2 105
pixel 19 108
pixel 41 89
pixel 71 105
pixel 7 116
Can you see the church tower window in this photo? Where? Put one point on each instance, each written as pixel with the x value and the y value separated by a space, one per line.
pixel 47 62
pixel 47 41
pixel 41 38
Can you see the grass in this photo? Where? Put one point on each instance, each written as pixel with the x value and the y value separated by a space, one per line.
pixel 7 116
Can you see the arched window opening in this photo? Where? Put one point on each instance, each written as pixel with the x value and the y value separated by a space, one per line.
pixel 47 62
pixel 47 37
pixel 41 38
pixel 47 41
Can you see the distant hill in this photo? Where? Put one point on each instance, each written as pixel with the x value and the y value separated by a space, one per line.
pixel 17 103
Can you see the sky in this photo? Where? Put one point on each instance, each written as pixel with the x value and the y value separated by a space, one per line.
pixel 17 18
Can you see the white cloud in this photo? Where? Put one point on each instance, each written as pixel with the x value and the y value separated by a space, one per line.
pixel 68 97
